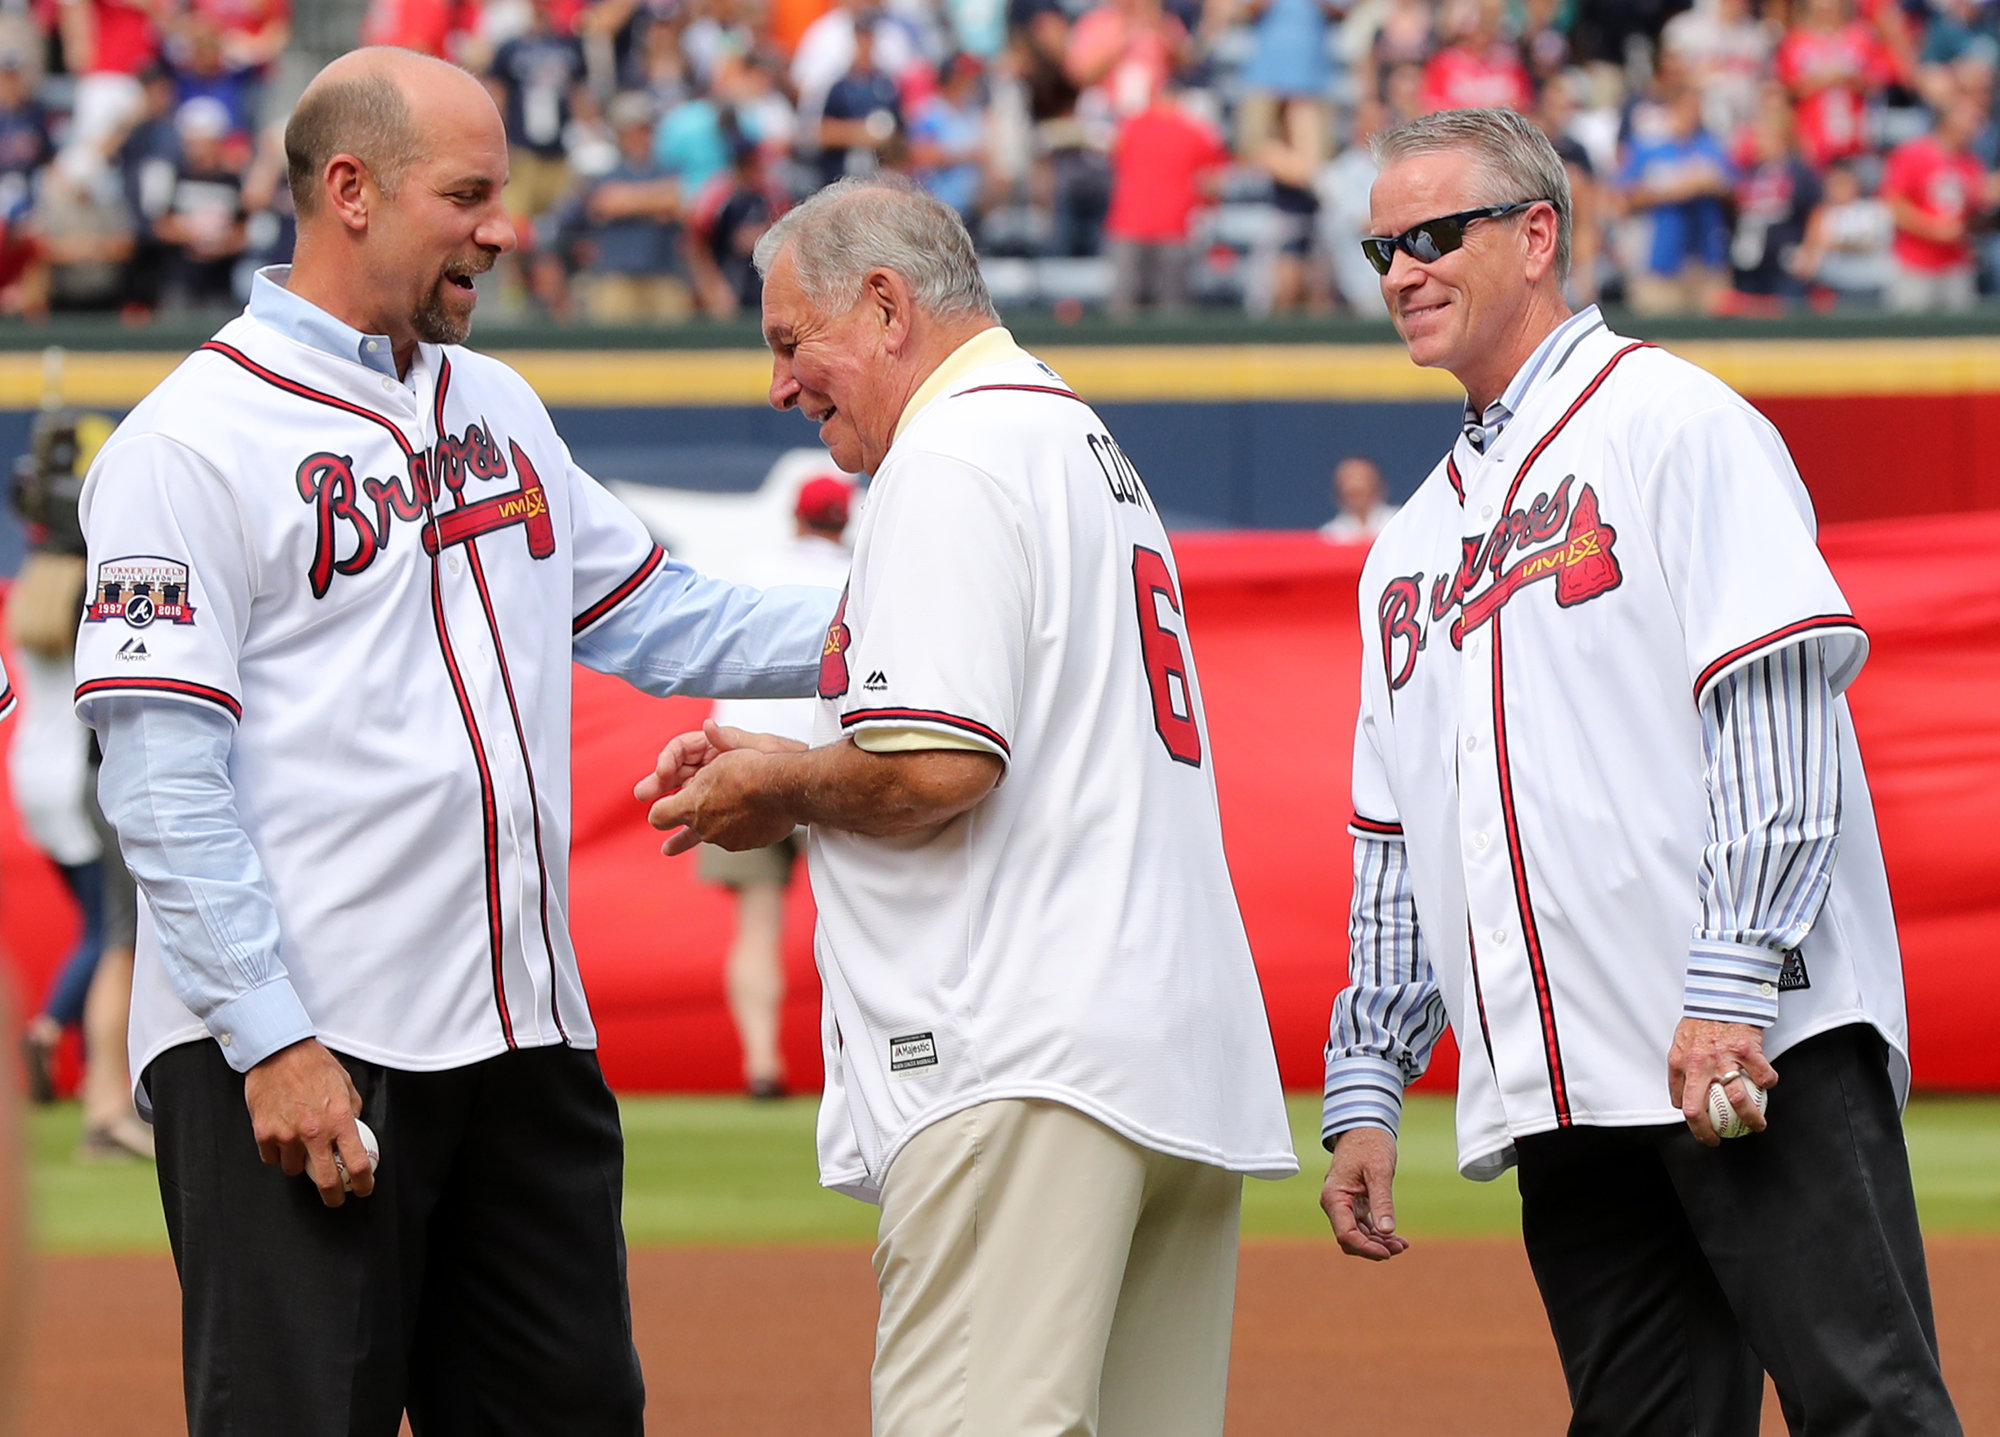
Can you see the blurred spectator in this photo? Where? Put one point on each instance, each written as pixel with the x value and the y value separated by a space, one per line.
pixel 1361 502
pixel 636 272
pixel 148 161
pixel 1544 42
pixel 1935 188
pixel 85 235
pixel 693 140
pixel 948 136
pixel 1071 174
pixel 1290 62
pixel 436 27
pixel 1343 187
pixel 1477 69
pixel 1403 93
pixel 270 225
pixel 1776 195
pixel 1292 157
pixel 106 45
pixel 24 136
pixel 1129 47
pixel 203 224
pixel 863 114
pixel 1847 243
pixel 536 71
pixel 1556 116
pixel 727 219
pixel 1832 63
pixel 1163 168
pixel 1677 187
pixel 1959 30
pixel 1725 51
pixel 1402 39
pixel 202 70
pixel 254 32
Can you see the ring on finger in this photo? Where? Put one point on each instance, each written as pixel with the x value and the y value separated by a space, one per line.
pixel 1729 1077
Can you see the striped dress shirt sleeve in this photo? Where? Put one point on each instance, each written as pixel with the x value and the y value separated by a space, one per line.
pixel 1769 740
pixel 1390 1016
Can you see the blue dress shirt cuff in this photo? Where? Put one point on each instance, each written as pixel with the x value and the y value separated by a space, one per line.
pixel 253 1025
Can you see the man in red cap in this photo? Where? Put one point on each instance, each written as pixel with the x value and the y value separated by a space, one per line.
pixel 755 974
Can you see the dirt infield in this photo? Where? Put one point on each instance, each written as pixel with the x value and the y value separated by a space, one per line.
pixel 1448 1341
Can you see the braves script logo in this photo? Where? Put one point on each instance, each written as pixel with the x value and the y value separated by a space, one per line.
pixel 833 658
pixel 140 590
pixel 364 510
pixel 1580 562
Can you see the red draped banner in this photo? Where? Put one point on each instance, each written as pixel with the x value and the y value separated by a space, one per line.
pixel 1276 634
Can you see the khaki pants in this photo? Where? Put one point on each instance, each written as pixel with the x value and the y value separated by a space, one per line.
pixel 1042 1276
pixel 636 298
pixel 1692 291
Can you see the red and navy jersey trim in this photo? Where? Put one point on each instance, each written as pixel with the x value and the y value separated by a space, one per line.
pixel 8 701
pixel 1374 827
pixel 1817 623
pixel 620 594
pixel 1457 483
pixel 1022 389
pixel 181 688
pixel 966 725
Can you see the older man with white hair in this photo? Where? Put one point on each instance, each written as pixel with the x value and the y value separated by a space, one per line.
pixel 1611 822
pixel 1047 1055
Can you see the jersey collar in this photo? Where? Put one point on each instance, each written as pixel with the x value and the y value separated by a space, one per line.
pixel 984 349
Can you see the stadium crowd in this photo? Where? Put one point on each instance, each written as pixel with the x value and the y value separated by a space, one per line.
pixel 1738 157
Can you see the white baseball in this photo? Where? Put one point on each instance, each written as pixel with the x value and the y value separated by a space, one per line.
pixel 1728 1124
pixel 369 1145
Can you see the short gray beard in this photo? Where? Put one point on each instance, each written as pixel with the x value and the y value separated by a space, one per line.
pixel 433 322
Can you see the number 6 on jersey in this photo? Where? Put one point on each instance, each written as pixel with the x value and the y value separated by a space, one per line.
pixel 1166 661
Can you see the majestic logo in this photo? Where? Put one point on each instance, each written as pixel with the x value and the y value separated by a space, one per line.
pixel 833 657
pixel 912 1051
pixel 133 651
pixel 357 514
pixel 142 589
pixel 1581 563
pixel 876 682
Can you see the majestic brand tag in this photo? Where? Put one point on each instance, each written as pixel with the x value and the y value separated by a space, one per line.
pixel 912 1051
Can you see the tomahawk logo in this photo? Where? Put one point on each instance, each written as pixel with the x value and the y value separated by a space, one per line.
pixel 833 657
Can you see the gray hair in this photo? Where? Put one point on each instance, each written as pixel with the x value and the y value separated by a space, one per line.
pixel 1514 157
pixel 879 222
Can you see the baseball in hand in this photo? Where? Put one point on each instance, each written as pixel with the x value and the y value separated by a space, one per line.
pixel 1728 1124
pixel 374 1150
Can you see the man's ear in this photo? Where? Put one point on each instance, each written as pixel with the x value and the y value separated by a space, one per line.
pixel 888 294
pixel 348 191
pixel 1540 230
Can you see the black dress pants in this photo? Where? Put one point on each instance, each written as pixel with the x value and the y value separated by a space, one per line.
pixel 1676 1275
pixel 481 1287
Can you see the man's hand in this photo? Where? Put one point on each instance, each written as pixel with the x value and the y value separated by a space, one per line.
pixel 1704 1051
pixel 731 801
pixel 688 754
pixel 1359 1196
pixel 302 1108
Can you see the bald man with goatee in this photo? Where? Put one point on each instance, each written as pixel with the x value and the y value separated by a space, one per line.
pixel 340 569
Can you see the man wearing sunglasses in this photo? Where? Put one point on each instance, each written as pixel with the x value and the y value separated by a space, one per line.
pixel 1611 824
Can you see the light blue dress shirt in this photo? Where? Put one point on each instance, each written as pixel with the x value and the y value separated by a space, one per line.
pixel 166 784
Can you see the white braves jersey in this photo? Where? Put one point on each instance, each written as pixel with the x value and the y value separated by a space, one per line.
pixel 262 541
pixel 1539 623
pixel 1074 936
pixel 805 559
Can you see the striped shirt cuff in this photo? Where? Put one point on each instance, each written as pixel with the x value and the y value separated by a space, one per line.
pixel 1361 1092
pixel 1732 983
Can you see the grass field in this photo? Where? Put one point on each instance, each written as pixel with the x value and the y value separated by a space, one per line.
pixel 720 1170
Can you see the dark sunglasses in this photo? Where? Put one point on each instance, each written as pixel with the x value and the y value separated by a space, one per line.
pixel 1434 239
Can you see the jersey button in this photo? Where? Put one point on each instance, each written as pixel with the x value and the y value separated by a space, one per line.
pixel 388 385
pixel 1499 935
pixel 1480 840
pixel 1487 512
pixel 1471 742
pixel 457 564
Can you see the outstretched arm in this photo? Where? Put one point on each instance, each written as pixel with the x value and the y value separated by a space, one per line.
pixel 742 791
